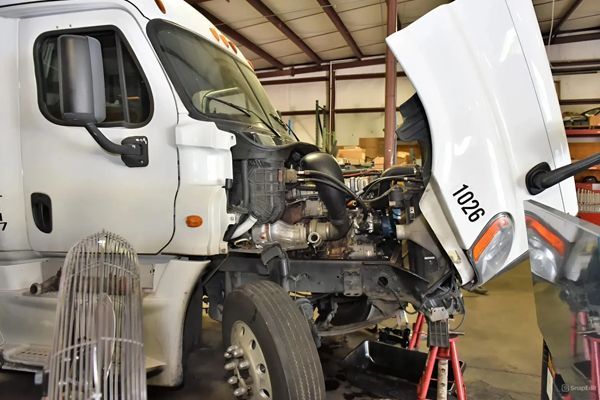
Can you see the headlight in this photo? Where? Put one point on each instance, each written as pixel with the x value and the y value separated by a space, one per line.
pixel 491 249
pixel 546 249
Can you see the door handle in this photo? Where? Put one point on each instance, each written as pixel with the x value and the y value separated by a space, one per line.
pixel 41 208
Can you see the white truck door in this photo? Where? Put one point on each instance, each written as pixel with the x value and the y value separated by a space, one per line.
pixel 72 187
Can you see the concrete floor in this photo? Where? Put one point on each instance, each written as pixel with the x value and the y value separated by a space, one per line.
pixel 502 349
pixel 502 345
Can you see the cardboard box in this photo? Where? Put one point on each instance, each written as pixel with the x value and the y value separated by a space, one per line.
pixel 354 156
pixel 374 147
pixel 378 162
pixel 403 157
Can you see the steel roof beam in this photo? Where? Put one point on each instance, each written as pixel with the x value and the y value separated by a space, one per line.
pixel 565 17
pixel 339 24
pixel 339 64
pixel 239 38
pixel 584 37
pixel 279 24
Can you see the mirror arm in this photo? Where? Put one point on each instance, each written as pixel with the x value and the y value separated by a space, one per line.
pixel 541 177
pixel 133 150
pixel 111 147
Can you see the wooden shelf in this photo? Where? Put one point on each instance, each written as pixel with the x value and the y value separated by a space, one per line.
pixel 582 132
pixel 590 217
pixel 588 186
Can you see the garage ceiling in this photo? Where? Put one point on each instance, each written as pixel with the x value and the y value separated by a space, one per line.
pixel 282 33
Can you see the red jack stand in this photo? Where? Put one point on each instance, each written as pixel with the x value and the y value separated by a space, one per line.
pixel 591 351
pixel 594 346
pixel 416 332
pixel 442 353
pixel 579 323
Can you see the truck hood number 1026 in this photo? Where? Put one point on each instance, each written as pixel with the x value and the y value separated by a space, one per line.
pixel 469 205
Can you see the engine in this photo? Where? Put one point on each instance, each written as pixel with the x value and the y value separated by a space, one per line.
pixel 346 242
pixel 300 199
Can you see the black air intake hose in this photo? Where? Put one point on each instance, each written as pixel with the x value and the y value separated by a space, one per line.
pixel 333 198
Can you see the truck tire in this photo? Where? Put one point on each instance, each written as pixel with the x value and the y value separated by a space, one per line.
pixel 270 352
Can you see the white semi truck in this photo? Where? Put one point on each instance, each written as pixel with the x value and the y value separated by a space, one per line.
pixel 141 118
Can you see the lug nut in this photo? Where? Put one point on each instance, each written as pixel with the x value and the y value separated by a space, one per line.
pixel 244 364
pixel 238 353
pixel 232 348
pixel 232 380
pixel 240 392
pixel 230 366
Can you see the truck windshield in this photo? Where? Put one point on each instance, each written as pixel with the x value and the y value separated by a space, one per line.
pixel 211 81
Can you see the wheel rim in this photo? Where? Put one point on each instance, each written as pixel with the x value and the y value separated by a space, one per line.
pixel 246 360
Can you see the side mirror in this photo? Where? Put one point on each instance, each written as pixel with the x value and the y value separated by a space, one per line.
pixel 81 80
pixel 82 96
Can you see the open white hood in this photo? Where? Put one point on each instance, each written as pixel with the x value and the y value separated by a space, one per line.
pixel 481 71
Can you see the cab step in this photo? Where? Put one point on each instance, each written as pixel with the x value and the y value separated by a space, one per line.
pixel 33 358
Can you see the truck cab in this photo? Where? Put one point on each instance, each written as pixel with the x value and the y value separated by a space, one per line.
pixel 41 205
pixel 59 185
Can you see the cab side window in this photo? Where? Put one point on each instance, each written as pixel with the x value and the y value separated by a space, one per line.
pixel 128 100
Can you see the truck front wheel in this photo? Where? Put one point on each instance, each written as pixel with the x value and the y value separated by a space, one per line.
pixel 270 352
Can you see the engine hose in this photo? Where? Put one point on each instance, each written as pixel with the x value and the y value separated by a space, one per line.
pixel 332 195
pixel 398 170
pixel 243 227
pixel 338 184
pixel 364 204
pixel 341 188
pixel 372 184
pixel 382 196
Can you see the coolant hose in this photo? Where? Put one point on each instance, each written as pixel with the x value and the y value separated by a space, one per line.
pixel 333 198
pixel 244 227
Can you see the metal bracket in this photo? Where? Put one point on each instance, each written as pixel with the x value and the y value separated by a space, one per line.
pixel 272 252
pixel 140 143
pixel 438 314
pixel 352 283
